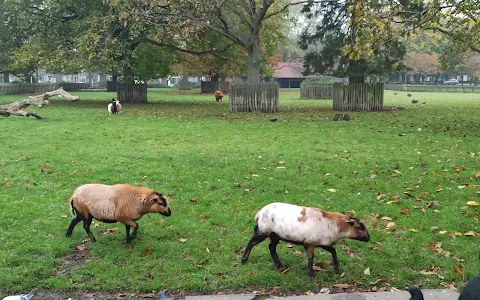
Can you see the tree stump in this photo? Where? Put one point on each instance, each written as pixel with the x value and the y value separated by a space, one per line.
pixel 18 108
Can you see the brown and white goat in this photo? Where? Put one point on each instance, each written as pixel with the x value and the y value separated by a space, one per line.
pixel 117 203
pixel 218 95
pixel 310 227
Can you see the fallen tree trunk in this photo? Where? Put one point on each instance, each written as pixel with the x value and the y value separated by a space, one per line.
pixel 18 108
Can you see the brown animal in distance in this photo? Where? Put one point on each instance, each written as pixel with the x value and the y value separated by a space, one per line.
pixel 218 95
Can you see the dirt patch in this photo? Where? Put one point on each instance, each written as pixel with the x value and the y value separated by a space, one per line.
pixel 79 257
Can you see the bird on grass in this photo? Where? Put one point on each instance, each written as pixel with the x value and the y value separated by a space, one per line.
pixel 162 294
pixel 395 93
pixel 409 95
pixel 414 101
pixel 424 102
pixel 273 120
pixel 416 293
pixel 22 297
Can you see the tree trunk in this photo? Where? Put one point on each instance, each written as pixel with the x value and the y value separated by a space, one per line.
pixel 356 79
pixel 128 74
pixel 254 58
pixel 58 78
pixel 18 108
pixel 6 77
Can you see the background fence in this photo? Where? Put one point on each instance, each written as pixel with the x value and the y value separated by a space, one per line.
pixel 358 96
pixel 316 90
pixel 255 97
pixel 211 86
pixel 27 88
pixel 433 88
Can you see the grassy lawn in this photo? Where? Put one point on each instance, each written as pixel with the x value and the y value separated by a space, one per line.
pixel 409 174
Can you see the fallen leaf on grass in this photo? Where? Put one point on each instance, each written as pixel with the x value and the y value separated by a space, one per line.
pixel 110 230
pixel 208 250
pixel 377 281
pixel 473 203
pixel 332 190
pixel 152 295
pixel 469 233
pixel 458 270
pixel 430 272
pixel 147 251
pixel 182 240
pixel 389 225
pixel 458 233
pixel 386 218
pixel 200 263
pixel 81 247
pixel 323 263
pixel 391 202
pixel 409 194
pixel 367 271
pixel 412 230
pixel 449 285
pixel 404 211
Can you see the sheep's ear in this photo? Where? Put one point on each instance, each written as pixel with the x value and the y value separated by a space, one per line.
pixel 351 221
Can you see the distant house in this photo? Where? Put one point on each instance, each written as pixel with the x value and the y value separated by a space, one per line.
pixel 289 74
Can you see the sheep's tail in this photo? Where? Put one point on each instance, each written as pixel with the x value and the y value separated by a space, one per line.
pixel 74 212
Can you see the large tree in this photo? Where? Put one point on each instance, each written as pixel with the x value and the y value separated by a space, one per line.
pixel 254 26
pixel 345 39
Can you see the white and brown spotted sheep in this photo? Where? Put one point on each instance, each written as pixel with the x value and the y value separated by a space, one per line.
pixel 310 227
pixel 117 203
pixel 114 107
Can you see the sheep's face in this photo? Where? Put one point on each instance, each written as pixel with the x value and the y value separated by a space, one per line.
pixel 357 230
pixel 159 203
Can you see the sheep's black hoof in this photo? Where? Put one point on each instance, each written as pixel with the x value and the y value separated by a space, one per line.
pixel 243 261
pixel 311 274
pixel 336 270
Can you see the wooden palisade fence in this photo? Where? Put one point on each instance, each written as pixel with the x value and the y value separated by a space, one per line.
pixel 133 93
pixel 316 90
pixel 358 96
pixel 254 97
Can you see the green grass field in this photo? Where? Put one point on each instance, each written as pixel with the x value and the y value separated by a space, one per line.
pixel 409 174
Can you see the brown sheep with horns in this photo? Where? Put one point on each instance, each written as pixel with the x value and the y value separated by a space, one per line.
pixel 117 203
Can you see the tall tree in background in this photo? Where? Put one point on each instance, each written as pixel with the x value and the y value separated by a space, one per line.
pixel 254 26
pixel 336 43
